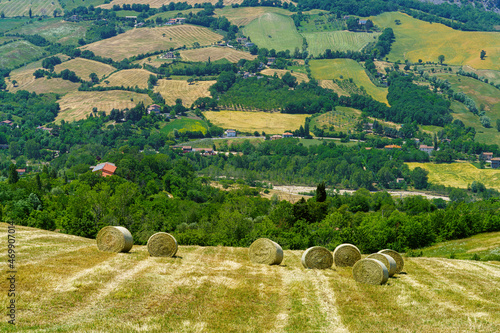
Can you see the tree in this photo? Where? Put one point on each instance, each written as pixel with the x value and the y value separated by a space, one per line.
pixel 483 54
pixel 57 12
pixel 498 125
pixel 94 78
pixel 14 83
pixel 485 121
pixel 419 178
pixel 441 59
pixel 30 13
pixel 321 192
pixel 2 15
pixel 13 175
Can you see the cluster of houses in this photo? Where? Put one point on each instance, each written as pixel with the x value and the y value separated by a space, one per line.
pixel 488 157
pixel 177 20
pixel 189 149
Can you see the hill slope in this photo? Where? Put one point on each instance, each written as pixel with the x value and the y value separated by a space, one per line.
pixel 66 285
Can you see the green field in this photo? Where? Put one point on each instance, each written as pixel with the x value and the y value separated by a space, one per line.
pixel 328 69
pixel 417 39
pixel 22 7
pixel 18 52
pixel 491 75
pixel 167 15
pixel 342 119
pixel 55 30
pixel 185 124
pixel 8 23
pixel 318 42
pixel 244 15
pixel 459 174
pixel 71 4
pixel 484 245
pixel 320 23
pixel 274 31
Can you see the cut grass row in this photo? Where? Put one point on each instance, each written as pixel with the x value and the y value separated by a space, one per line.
pixel 128 78
pixel 318 42
pixel 215 53
pixel 174 89
pixel 84 67
pixel 22 7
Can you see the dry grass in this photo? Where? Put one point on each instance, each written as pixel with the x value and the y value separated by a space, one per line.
pixel 84 67
pixel 301 77
pixel 143 40
pixel 243 15
pixel 66 285
pixel 22 7
pixel 216 53
pixel 159 3
pixel 42 85
pixel 79 104
pixel 173 89
pixel 128 78
pixel 271 123
pixel 328 84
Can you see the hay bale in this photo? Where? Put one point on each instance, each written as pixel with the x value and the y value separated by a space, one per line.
pixel 265 251
pixel 317 257
pixel 387 260
pixel 371 271
pixel 400 263
pixel 162 244
pixel 346 255
pixel 114 239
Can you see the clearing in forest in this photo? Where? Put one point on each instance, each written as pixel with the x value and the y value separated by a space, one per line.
pixel 274 31
pixel 270 123
pixel 84 67
pixel 67 279
pixel 174 89
pixel 143 40
pixel 215 53
pixel 318 42
pixel 417 39
pixel 128 78
pixel 347 69
pixel 78 105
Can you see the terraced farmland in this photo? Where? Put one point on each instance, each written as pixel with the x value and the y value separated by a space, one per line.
pixel 318 42
pixel 22 7
pixel 84 67
pixel 143 40
pixel 173 89
pixel 79 104
pixel 128 78
pixel 215 53
pixel 349 69
pixel 274 31
pixel 417 39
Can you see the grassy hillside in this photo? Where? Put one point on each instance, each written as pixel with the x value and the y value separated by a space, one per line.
pixel 19 52
pixel 271 123
pixel 459 174
pixel 274 31
pixel 84 67
pixel 67 285
pixel 185 124
pixel 483 245
pixel 55 30
pixel 70 4
pixel 173 89
pixel 318 42
pixel 342 119
pixel 22 7
pixel 301 77
pixel 143 40
pixel 215 53
pixel 128 78
pixel 244 15
pixel 349 69
pixel 79 104
pixel 417 39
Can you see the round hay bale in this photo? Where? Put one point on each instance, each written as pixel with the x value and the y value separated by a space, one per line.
pixel 317 257
pixel 265 251
pixel 387 260
pixel 346 255
pixel 114 239
pixel 400 263
pixel 162 244
pixel 371 271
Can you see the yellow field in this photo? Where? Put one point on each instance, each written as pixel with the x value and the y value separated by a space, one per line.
pixel 216 53
pixel 22 7
pixel 44 85
pixel 143 40
pixel 271 123
pixel 243 15
pixel 173 89
pixel 459 174
pixel 328 84
pixel 66 285
pixel 128 78
pixel 84 67
pixel 349 69
pixel 301 77
pixel 417 39
pixel 159 3
pixel 79 104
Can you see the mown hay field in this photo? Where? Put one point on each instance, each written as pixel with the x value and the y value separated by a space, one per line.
pixel 318 42
pixel 417 39
pixel 84 67
pixel 329 84
pixel 173 89
pixel 349 69
pixel 274 31
pixel 185 124
pixel 215 53
pixel 65 284
pixel 79 104
pixel 55 30
pixel 342 119
pixel 159 3
pixel 143 40
pixel 301 77
pixel 42 85
pixel 271 123
pixel 459 174
pixel 128 78
pixel 18 53
pixel 244 15
pixel 22 7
